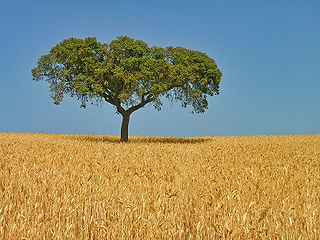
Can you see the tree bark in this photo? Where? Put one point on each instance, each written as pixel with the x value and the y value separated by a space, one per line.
pixel 124 127
pixel 126 113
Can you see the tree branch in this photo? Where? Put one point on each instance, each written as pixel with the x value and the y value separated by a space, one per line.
pixel 108 98
pixel 141 104
pixel 120 109
pixel 115 102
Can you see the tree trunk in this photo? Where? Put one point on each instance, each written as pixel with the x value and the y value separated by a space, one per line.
pixel 124 127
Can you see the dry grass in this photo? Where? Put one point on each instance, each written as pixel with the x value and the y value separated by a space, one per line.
pixel 92 187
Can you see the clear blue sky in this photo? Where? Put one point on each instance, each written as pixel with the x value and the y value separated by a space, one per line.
pixel 268 51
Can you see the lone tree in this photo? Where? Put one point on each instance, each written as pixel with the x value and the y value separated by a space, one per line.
pixel 128 74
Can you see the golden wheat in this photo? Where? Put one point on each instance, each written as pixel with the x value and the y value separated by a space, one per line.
pixel 93 187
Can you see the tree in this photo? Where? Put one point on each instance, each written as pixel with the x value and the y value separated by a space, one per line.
pixel 128 74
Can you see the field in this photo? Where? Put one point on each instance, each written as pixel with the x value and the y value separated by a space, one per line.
pixel 93 187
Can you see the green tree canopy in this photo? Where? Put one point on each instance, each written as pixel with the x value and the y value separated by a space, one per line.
pixel 128 74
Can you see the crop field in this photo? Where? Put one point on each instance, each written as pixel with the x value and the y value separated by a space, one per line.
pixel 93 187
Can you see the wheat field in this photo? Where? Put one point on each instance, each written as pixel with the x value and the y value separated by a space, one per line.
pixel 93 187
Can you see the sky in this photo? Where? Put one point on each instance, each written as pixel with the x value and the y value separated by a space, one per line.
pixel 268 52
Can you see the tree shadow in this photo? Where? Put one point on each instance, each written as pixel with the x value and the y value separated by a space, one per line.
pixel 95 138
pixel 134 139
pixel 175 140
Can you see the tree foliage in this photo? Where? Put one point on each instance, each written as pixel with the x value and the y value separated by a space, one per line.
pixel 128 74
